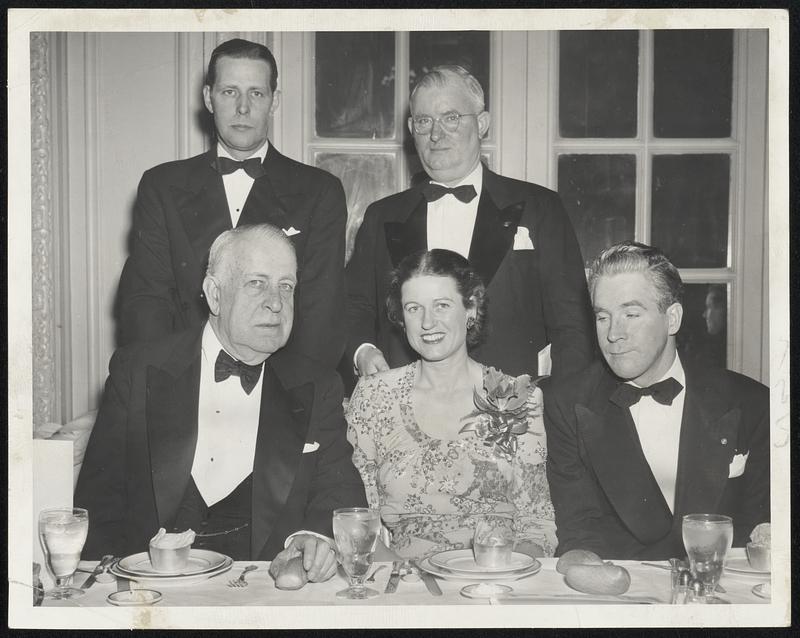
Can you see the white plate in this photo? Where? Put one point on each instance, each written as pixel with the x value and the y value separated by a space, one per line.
pixel 462 561
pixel 742 566
pixel 200 562
pixel 763 590
pixel 134 597
pixel 164 581
pixel 483 576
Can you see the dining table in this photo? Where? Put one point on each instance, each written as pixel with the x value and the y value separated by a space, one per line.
pixel 650 584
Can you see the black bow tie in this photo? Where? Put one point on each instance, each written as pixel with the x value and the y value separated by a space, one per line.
pixel 663 392
pixel 465 193
pixel 226 366
pixel 253 166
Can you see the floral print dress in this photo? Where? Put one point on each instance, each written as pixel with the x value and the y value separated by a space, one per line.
pixel 431 492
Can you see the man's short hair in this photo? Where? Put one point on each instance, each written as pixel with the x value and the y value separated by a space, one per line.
pixel 631 256
pixel 225 244
pixel 448 74
pixel 238 48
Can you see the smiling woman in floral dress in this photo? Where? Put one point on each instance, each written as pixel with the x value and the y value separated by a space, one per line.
pixel 445 441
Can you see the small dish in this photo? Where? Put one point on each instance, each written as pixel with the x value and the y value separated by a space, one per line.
pixel 134 597
pixel 485 590
pixel 763 590
pixel 742 566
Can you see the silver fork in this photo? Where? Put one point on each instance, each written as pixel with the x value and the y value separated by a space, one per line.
pixel 241 582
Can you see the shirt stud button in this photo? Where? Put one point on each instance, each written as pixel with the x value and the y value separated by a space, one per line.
pixel 724 441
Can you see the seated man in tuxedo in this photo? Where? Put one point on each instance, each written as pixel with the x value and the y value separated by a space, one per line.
pixel 216 430
pixel 637 441
pixel 182 206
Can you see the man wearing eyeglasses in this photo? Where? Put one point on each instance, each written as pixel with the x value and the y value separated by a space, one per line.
pixel 515 234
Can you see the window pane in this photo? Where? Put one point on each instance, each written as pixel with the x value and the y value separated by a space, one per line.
pixel 703 337
pixel 469 49
pixel 366 177
pixel 690 209
pixel 355 85
pixel 599 193
pixel 598 82
pixel 693 72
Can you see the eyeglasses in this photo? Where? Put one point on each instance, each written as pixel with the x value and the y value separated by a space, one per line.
pixel 449 121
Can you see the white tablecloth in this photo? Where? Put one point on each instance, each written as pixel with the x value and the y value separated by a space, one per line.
pixel 645 581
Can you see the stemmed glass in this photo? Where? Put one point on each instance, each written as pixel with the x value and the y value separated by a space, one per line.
pixel 707 539
pixel 356 530
pixel 62 532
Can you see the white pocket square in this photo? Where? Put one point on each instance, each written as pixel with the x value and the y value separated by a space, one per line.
pixel 310 447
pixel 291 231
pixel 522 240
pixel 737 465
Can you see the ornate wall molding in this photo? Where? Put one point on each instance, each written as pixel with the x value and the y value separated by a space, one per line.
pixel 43 249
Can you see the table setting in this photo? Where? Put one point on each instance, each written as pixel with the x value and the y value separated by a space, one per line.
pixel 173 574
pixel 546 586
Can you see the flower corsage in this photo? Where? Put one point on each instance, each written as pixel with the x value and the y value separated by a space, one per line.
pixel 503 414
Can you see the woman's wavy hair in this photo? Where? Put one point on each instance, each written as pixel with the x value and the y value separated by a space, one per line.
pixel 441 263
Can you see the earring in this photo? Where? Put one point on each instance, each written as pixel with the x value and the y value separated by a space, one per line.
pixel 470 322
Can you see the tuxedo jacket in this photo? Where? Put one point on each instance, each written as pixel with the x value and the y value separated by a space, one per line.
pixel 536 296
pixel 180 210
pixel 139 458
pixel 605 496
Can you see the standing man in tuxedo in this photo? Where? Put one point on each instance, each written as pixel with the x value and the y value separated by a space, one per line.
pixel 219 429
pixel 183 206
pixel 637 441
pixel 515 234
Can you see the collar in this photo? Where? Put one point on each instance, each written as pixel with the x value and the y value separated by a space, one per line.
pixel 261 153
pixel 675 370
pixel 475 177
pixel 211 345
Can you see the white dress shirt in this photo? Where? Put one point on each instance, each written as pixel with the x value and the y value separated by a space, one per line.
pixel 659 430
pixel 451 221
pixel 238 184
pixel 227 427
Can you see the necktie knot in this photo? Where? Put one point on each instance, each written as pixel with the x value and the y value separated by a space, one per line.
pixel 253 166
pixel 464 193
pixel 663 392
pixel 227 366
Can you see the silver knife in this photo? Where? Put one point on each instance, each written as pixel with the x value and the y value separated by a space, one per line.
pixel 101 566
pixel 429 580
pixel 394 578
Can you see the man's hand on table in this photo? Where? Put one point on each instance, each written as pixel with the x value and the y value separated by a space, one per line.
pixel 318 556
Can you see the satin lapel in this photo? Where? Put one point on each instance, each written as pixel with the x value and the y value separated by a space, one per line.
pixel 203 207
pixel 709 432
pixel 408 236
pixel 609 434
pixel 171 413
pixel 273 196
pixel 493 234
pixel 282 429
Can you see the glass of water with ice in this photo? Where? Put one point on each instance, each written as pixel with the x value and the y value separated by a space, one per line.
pixel 707 539
pixel 493 543
pixel 356 530
pixel 62 532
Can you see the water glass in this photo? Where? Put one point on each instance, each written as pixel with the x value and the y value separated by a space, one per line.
pixel 493 543
pixel 707 539
pixel 356 531
pixel 62 533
